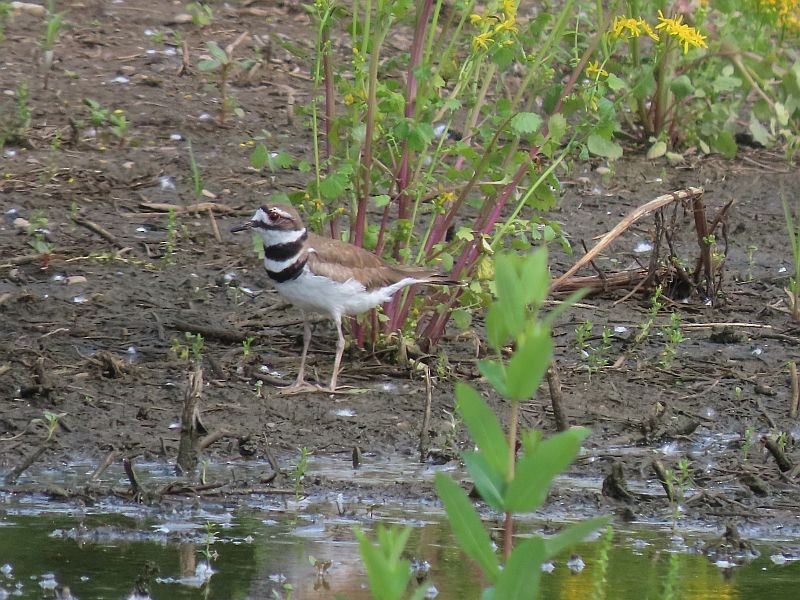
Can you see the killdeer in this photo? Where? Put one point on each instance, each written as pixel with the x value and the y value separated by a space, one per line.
pixel 326 276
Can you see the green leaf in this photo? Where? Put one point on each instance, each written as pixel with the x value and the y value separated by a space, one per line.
pixel 259 157
pixel 529 362
pixel 208 65
pixel 381 200
pixel 615 83
pixel 417 135
pixel 524 123
pixel 522 573
pixel 462 318
pixel 556 127
pixel 759 132
pixel 483 426
pixel 681 86
pixel 388 575
pixel 467 526
pixel 495 374
pixel 725 144
pixel 572 534
pixel 217 52
pixel 510 296
pixel 490 483
pixel 725 83
pixel 534 276
pixel 496 330
pixel 536 470
pixel 601 146
pixel 657 150
pixel 333 186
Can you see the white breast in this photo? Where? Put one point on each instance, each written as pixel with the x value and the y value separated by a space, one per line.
pixel 325 296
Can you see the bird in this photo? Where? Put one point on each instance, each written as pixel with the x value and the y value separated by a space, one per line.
pixel 326 276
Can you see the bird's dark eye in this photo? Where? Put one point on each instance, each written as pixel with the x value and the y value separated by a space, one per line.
pixel 273 214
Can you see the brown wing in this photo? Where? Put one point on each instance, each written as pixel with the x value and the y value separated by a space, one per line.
pixel 341 261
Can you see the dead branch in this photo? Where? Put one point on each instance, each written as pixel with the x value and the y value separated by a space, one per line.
pixel 557 397
pixel 794 405
pixel 624 225
pixel 424 437
pixel 28 461
pixel 95 228
pixel 783 462
pixel 191 425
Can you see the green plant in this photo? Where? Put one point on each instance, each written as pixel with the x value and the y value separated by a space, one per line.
pixel 223 63
pixel 210 537
pixel 685 76
pixel 389 574
pixel 747 441
pixel 51 421
pixel 52 28
pixel 193 348
pixel 197 177
pixel 793 227
pixel 246 343
pixel 299 472
pixel 751 251
pixel 171 240
pixel 37 229
pixel 15 129
pixel 678 482
pixel 507 484
pixel 390 147
pixel 655 306
pixel 674 335
pixel 582 332
pixel 107 121
pixel 201 13
pixel 6 15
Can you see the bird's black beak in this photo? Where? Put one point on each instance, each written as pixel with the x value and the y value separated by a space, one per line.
pixel 243 227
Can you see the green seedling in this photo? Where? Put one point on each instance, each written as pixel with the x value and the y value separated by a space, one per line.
pixel 655 306
pixel 259 385
pixel 210 538
pixel 674 335
pixel 223 63
pixel 14 129
pixel 52 29
pixel 299 472
pixel 37 229
pixel 51 421
pixel 197 178
pixel 582 333
pixel 6 15
pixel 171 240
pixel 747 442
pixel 751 251
pixel 193 348
pixel 246 344
pixel 202 14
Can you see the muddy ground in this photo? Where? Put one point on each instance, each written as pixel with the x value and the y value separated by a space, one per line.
pixel 90 333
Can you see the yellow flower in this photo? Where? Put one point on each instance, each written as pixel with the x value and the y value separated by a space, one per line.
pixel 685 34
pixel 594 70
pixel 119 111
pixel 628 27
pixel 475 18
pixel 447 197
pixel 482 41
pixel 510 9
pixel 349 99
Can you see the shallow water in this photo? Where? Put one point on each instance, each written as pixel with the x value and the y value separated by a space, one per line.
pixel 99 555
pixel 260 544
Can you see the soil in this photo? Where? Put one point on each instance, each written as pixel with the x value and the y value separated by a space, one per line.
pixel 92 331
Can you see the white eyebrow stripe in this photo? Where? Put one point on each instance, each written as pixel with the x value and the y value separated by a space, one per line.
pixel 281 212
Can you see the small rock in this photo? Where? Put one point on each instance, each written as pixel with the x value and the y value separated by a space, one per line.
pixel 22 224
pixel 74 279
pixel 764 390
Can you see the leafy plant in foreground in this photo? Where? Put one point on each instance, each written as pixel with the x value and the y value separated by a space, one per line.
pixel 222 62
pixel 507 484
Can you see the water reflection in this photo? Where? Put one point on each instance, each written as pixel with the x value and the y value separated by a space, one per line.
pixel 255 555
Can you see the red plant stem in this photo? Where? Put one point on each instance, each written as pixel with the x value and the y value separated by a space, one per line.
pixel 412 87
pixel 330 111
pixel 435 327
